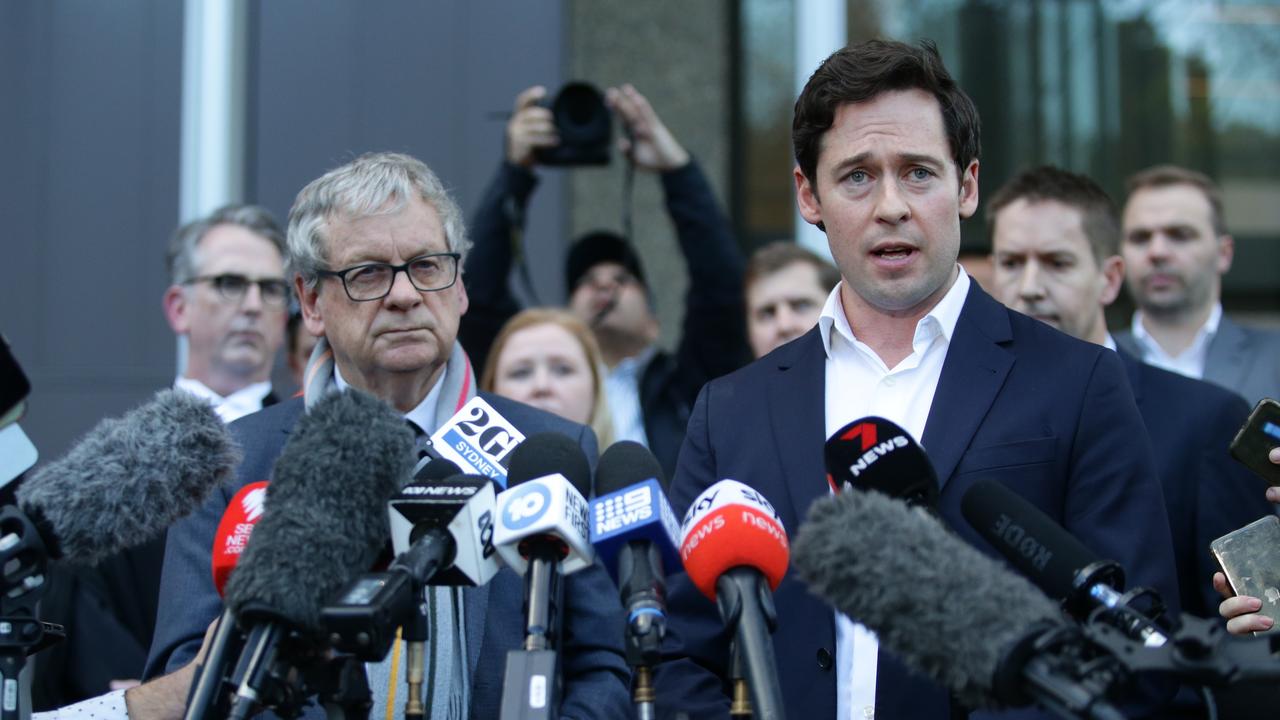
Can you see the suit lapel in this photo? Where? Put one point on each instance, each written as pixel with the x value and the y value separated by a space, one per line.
pixel 974 371
pixel 1224 361
pixel 796 409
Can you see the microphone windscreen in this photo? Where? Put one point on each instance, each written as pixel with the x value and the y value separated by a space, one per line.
pixel 626 463
pixel 549 453
pixel 878 454
pixel 128 479
pixel 941 606
pixel 731 525
pixel 1030 540
pixel 325 518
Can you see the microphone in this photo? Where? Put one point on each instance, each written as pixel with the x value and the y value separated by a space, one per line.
pixel 948 611
pixel 542 533
pixel 325 520
pixel 1058 563
pixel 478 440
pixel 128 479
pixel 877 454
pixel 635 533
pixel 735 551
pixel 235 529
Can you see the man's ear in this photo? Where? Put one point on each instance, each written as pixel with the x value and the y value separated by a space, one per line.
pixel 309 302
pixel 969 190
pixel 807 199
pixel 175 309
pixel 1226 253
pixel 1112 279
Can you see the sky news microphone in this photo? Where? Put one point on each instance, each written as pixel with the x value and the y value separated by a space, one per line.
pixel 478 440
pixel 1058 563
pixel 128 479
pixel 946 610
pixel 877 454
pixel 735 551
pixel 325 521
pixel 635 534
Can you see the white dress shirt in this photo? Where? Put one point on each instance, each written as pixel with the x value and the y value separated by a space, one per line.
pixel 1189 362
pixel 859 384
pixel 622 388
pixel 232 407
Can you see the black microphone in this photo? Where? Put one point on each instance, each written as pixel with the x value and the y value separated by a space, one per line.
pixel 877 454
pixel 946 610
pixel 1058 563
pixel 128 479
pixel 325 520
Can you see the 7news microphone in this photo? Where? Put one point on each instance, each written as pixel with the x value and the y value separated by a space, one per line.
pixel 877 454
pixel 635 534
pixel 900 572
pixel 342 463
pixel 735 551
pixel 542 533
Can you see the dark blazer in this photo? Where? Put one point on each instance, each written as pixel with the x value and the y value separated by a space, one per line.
pixel 1017 401
pixel 1241 359
pixel 595 673
pixel 1207 493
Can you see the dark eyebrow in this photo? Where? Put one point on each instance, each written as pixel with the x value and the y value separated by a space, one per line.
pixel 905 158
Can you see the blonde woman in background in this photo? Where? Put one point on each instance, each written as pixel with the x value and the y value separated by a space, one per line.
pixel 546 358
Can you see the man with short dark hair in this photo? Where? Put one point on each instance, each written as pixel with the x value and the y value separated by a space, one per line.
pixel 1055 240
pixel 887 149
pixel 1176 250
pixel 785 286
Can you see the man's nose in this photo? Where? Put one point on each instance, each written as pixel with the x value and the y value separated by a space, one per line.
pixel 1030 286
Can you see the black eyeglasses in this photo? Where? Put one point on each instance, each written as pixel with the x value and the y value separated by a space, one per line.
pixel 273 291
pixel 373 281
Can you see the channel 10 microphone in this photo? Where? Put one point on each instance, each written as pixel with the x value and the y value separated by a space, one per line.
pixel 234 530
pixel 325 521
pixel 735 551
pixel 478 439
pixel 1058 563
pixel 946 610
pixel 877 454
pixel 128 479
pixel 635 534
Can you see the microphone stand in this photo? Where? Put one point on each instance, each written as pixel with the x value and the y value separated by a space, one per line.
pixel 531 682
pixel 740 707
pixel 24 559
pixel 753 620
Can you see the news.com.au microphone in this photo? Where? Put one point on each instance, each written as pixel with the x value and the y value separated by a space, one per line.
pixel 635 534
pixel 948 611
pixel 324 521
pixel 542 533
pixel 478 440
pixel 1058 563
pixel 735 551
pixel 877 454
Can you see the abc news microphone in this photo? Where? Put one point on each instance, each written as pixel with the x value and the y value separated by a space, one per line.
pixel 324 521
pixel 735 551
pixel 948 611
pixel 635 534
pixel 542 533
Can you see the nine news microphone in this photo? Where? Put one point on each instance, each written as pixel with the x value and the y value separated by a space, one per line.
pixel 877 454
pixel 478 440
pixel 948 611
pixel 543 534
pixel 325 520
pixel 1059 564
pixel 635 534
pixel 735 551
pixel 128 479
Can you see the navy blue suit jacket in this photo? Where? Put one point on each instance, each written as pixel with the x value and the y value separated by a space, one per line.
pixel 595 673
pixel 1207 493
pixel 1017 401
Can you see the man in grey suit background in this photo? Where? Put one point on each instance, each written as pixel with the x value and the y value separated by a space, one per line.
pixel 1176 249
pixel 352 234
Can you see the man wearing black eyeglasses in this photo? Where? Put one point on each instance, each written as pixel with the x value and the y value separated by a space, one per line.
pixel 228 299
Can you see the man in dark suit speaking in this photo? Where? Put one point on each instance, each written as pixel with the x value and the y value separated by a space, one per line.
pixel 887 151
pixel 374 248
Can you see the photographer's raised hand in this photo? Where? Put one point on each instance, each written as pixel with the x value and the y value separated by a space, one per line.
pixel 651 145
pixel 530 128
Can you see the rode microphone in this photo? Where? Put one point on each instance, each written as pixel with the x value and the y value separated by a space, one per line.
pixel 877 454
pixel 478 440
pixel 1058 563
pixel 542 533
pixel 735 551
pixel 635 533
pixel 948 611
pixel 234 530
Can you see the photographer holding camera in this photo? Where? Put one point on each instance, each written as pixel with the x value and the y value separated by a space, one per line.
pixel 651 391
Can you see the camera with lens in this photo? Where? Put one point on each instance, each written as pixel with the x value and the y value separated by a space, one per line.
pixel 584 125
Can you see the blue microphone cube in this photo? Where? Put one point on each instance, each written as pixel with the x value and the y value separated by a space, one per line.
pixel 636 512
